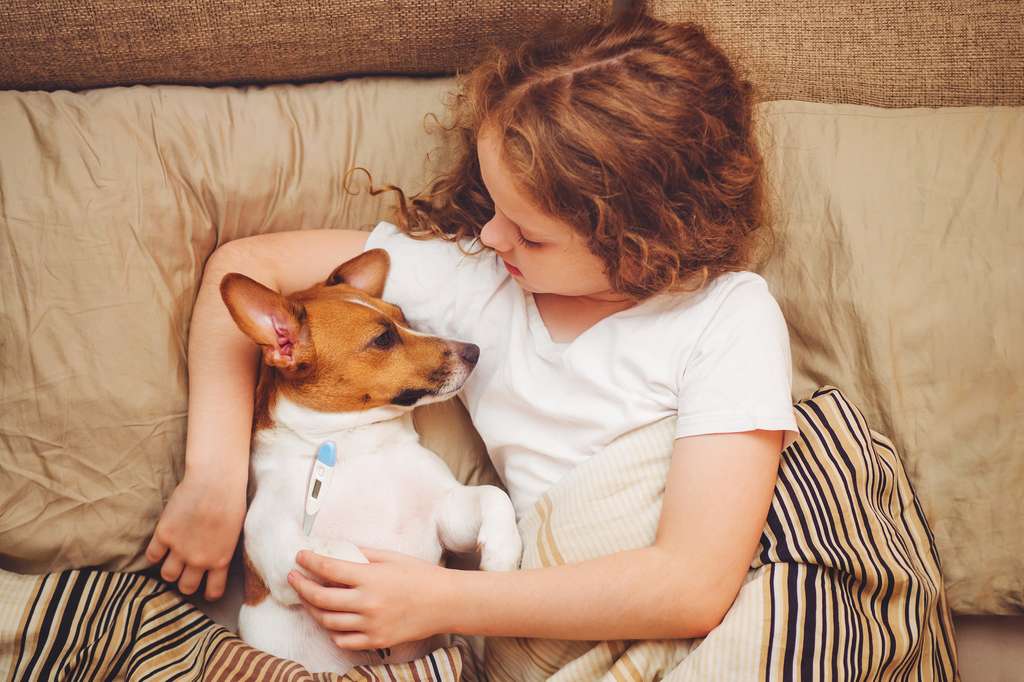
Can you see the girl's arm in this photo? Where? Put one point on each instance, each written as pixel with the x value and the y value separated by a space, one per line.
pixel 200 525
pixel 716 501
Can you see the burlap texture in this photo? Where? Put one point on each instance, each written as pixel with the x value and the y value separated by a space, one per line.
pixel 920 53
pixel 908 54
pixel 77 44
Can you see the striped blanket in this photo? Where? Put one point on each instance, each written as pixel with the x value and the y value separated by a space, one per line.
pixel 845 586
pixel 101 625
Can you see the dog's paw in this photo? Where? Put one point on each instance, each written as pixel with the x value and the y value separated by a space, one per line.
pixel 284 593
pixel 500 551
pixel 337 549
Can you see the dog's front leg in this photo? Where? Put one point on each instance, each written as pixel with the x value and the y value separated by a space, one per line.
pixel 480 517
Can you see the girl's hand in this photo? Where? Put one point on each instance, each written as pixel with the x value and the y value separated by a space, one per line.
pixel 198 531
pixel 395 598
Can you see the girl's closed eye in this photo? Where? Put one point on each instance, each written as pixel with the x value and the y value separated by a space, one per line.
pixel 526 242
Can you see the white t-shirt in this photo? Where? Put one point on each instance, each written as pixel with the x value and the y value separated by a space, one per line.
pixel 719 359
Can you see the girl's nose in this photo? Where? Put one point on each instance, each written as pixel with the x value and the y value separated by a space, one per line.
pixel 495 236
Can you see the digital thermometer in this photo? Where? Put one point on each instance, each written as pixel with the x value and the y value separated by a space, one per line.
pixel 319 479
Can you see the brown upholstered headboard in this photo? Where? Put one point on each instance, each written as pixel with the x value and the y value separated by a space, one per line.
pixel 912 53
pixel 77 44
pixel 906 54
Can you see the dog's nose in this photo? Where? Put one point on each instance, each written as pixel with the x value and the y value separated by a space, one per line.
pixel 470 352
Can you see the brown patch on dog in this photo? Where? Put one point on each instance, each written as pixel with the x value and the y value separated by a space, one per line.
pixel 263 406
pixel 352 371
pixel 255 589
pixel 337 347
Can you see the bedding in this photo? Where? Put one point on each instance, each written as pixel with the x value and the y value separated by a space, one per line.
pixel 90 624
pixel 846 584
pixel 897 270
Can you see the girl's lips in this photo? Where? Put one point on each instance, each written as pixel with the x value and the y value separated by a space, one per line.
pixel 511 268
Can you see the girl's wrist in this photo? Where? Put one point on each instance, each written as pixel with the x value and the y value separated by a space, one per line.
pixel 219 474
pixel 446 602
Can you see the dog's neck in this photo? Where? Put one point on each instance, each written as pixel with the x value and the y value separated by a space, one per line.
pixel 352 432
pixel 316 424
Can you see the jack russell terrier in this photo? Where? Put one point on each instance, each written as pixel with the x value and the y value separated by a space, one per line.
pixel 340 364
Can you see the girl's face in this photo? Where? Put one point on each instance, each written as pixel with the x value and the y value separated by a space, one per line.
pixel 543 254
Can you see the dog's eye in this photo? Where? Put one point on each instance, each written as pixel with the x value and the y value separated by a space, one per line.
pixel 385 340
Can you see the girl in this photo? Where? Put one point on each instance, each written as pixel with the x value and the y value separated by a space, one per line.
pixel 612 183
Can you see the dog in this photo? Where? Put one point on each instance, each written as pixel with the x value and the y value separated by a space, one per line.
pixel 340 364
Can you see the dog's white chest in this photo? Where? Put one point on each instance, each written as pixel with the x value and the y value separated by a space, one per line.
pixel 382 500
pixel 382 493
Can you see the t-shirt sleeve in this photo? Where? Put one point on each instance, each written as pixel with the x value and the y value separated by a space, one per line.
pixel 439 288
pixel 739 374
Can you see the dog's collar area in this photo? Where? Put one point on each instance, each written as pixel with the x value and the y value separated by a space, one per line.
pixel 315 426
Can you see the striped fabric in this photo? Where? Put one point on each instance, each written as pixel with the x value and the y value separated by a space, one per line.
pixel 102 625
pixel 92 625
pixel 846 584
pixel 848 547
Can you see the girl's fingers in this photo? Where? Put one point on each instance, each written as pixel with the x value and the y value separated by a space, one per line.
pixel 171 570
pixel 351 640
pixel 337 620
pixel 374 555
pixel 215 581
pixel 328 598
pixel 334 570
pixel 190 579
pixel 155 550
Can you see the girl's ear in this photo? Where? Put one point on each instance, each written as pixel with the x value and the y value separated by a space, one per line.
pixel 368 271
pixel 277 324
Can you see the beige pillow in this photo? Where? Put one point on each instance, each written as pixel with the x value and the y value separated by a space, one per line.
pixel 112 201
pixel 897 275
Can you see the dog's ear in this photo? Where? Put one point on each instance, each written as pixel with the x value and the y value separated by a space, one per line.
pixel 277 324
pixel 367 272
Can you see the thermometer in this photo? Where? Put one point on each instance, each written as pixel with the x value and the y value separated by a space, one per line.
pixel 319 479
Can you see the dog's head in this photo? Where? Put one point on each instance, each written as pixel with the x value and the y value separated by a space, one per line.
pixel 337 347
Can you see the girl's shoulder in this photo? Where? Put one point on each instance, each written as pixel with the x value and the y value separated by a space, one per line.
pixel 436 284
pixel 388 232
pixel 727 292
pixel 436 259
pixel 732 306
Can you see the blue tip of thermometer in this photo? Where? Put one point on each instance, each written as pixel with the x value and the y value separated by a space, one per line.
pixel 319 479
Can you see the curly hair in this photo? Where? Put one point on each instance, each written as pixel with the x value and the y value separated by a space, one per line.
pixel 637 133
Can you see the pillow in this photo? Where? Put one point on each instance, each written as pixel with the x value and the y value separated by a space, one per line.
pixel 128 626
pixel 889 241
pixel 112 202
pixel 898 270
pixel 846 583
